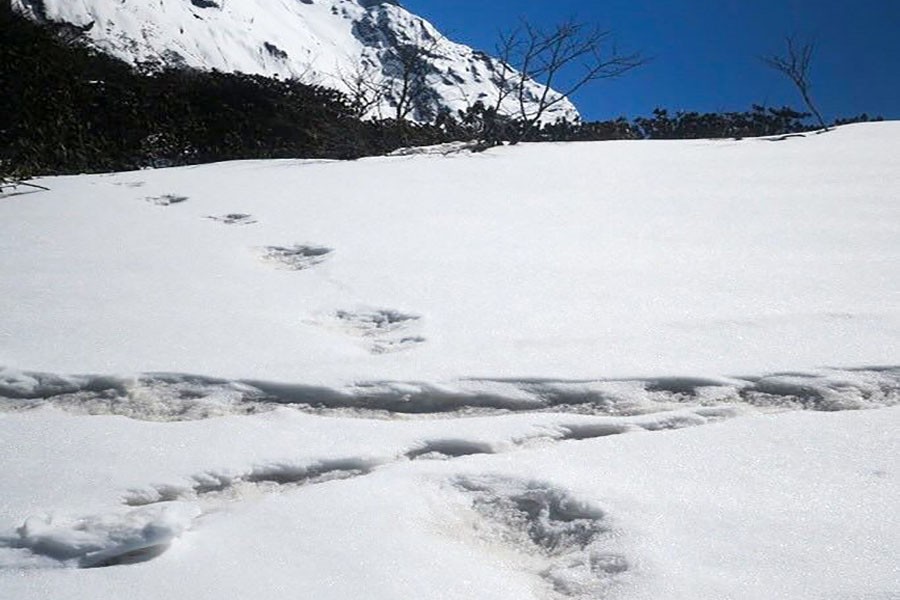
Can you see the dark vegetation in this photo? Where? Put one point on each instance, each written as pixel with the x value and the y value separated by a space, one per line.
pixel 65 108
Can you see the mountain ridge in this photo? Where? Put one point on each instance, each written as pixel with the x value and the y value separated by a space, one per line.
pixel 355 46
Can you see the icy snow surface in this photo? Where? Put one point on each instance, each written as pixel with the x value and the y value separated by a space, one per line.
pixel 544 371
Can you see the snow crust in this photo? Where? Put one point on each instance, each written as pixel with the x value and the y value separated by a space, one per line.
pixel 326 42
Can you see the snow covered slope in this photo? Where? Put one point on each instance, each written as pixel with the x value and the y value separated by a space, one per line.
pixel 318 41
pixel 360 379
pixel 685 259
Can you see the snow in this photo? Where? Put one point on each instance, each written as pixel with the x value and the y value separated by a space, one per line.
pixel 572 261
pixel 783 506
pixel 100 540
pixel 601 370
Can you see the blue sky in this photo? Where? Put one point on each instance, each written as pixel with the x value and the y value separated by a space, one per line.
pixel 705 52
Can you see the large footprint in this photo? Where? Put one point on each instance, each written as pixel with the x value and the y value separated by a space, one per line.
pixel 569 543
pixel 297 257
pixel 384 330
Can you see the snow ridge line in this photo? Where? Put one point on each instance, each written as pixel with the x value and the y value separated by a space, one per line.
pixel 281 475
pixel 179 397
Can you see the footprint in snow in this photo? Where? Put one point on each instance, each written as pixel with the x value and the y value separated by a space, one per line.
pixel 384 330
pixel 233 219
pixel 297 257
pixel 166 199
pixel 376 321
pixel 570 544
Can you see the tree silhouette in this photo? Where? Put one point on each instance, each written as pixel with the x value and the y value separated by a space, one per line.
pixel 530 54
pixel 795 65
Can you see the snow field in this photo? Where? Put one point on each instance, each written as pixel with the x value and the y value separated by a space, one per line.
pixel 704 259
pixel 313 379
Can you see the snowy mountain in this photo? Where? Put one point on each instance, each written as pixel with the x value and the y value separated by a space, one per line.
pixel 334 43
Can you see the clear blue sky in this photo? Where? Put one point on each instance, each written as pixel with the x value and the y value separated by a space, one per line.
pixel 705 52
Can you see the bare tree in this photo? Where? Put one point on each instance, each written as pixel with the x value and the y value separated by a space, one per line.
pixel 532 55
pixel 308 75
pixel 366 88
pixel 506 49
pixel 795 66
pixel 11 182
pixel 408 80
pixel 402 81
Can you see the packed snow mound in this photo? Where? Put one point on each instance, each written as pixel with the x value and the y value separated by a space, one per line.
pixel 104 540
pixel 327 42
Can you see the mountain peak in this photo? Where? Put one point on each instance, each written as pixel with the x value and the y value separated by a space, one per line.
pixel 354 46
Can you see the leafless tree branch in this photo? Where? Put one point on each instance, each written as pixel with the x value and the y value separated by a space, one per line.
pixel 411 78
pixel 795 65
pixel 539 55
pixel 365 87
